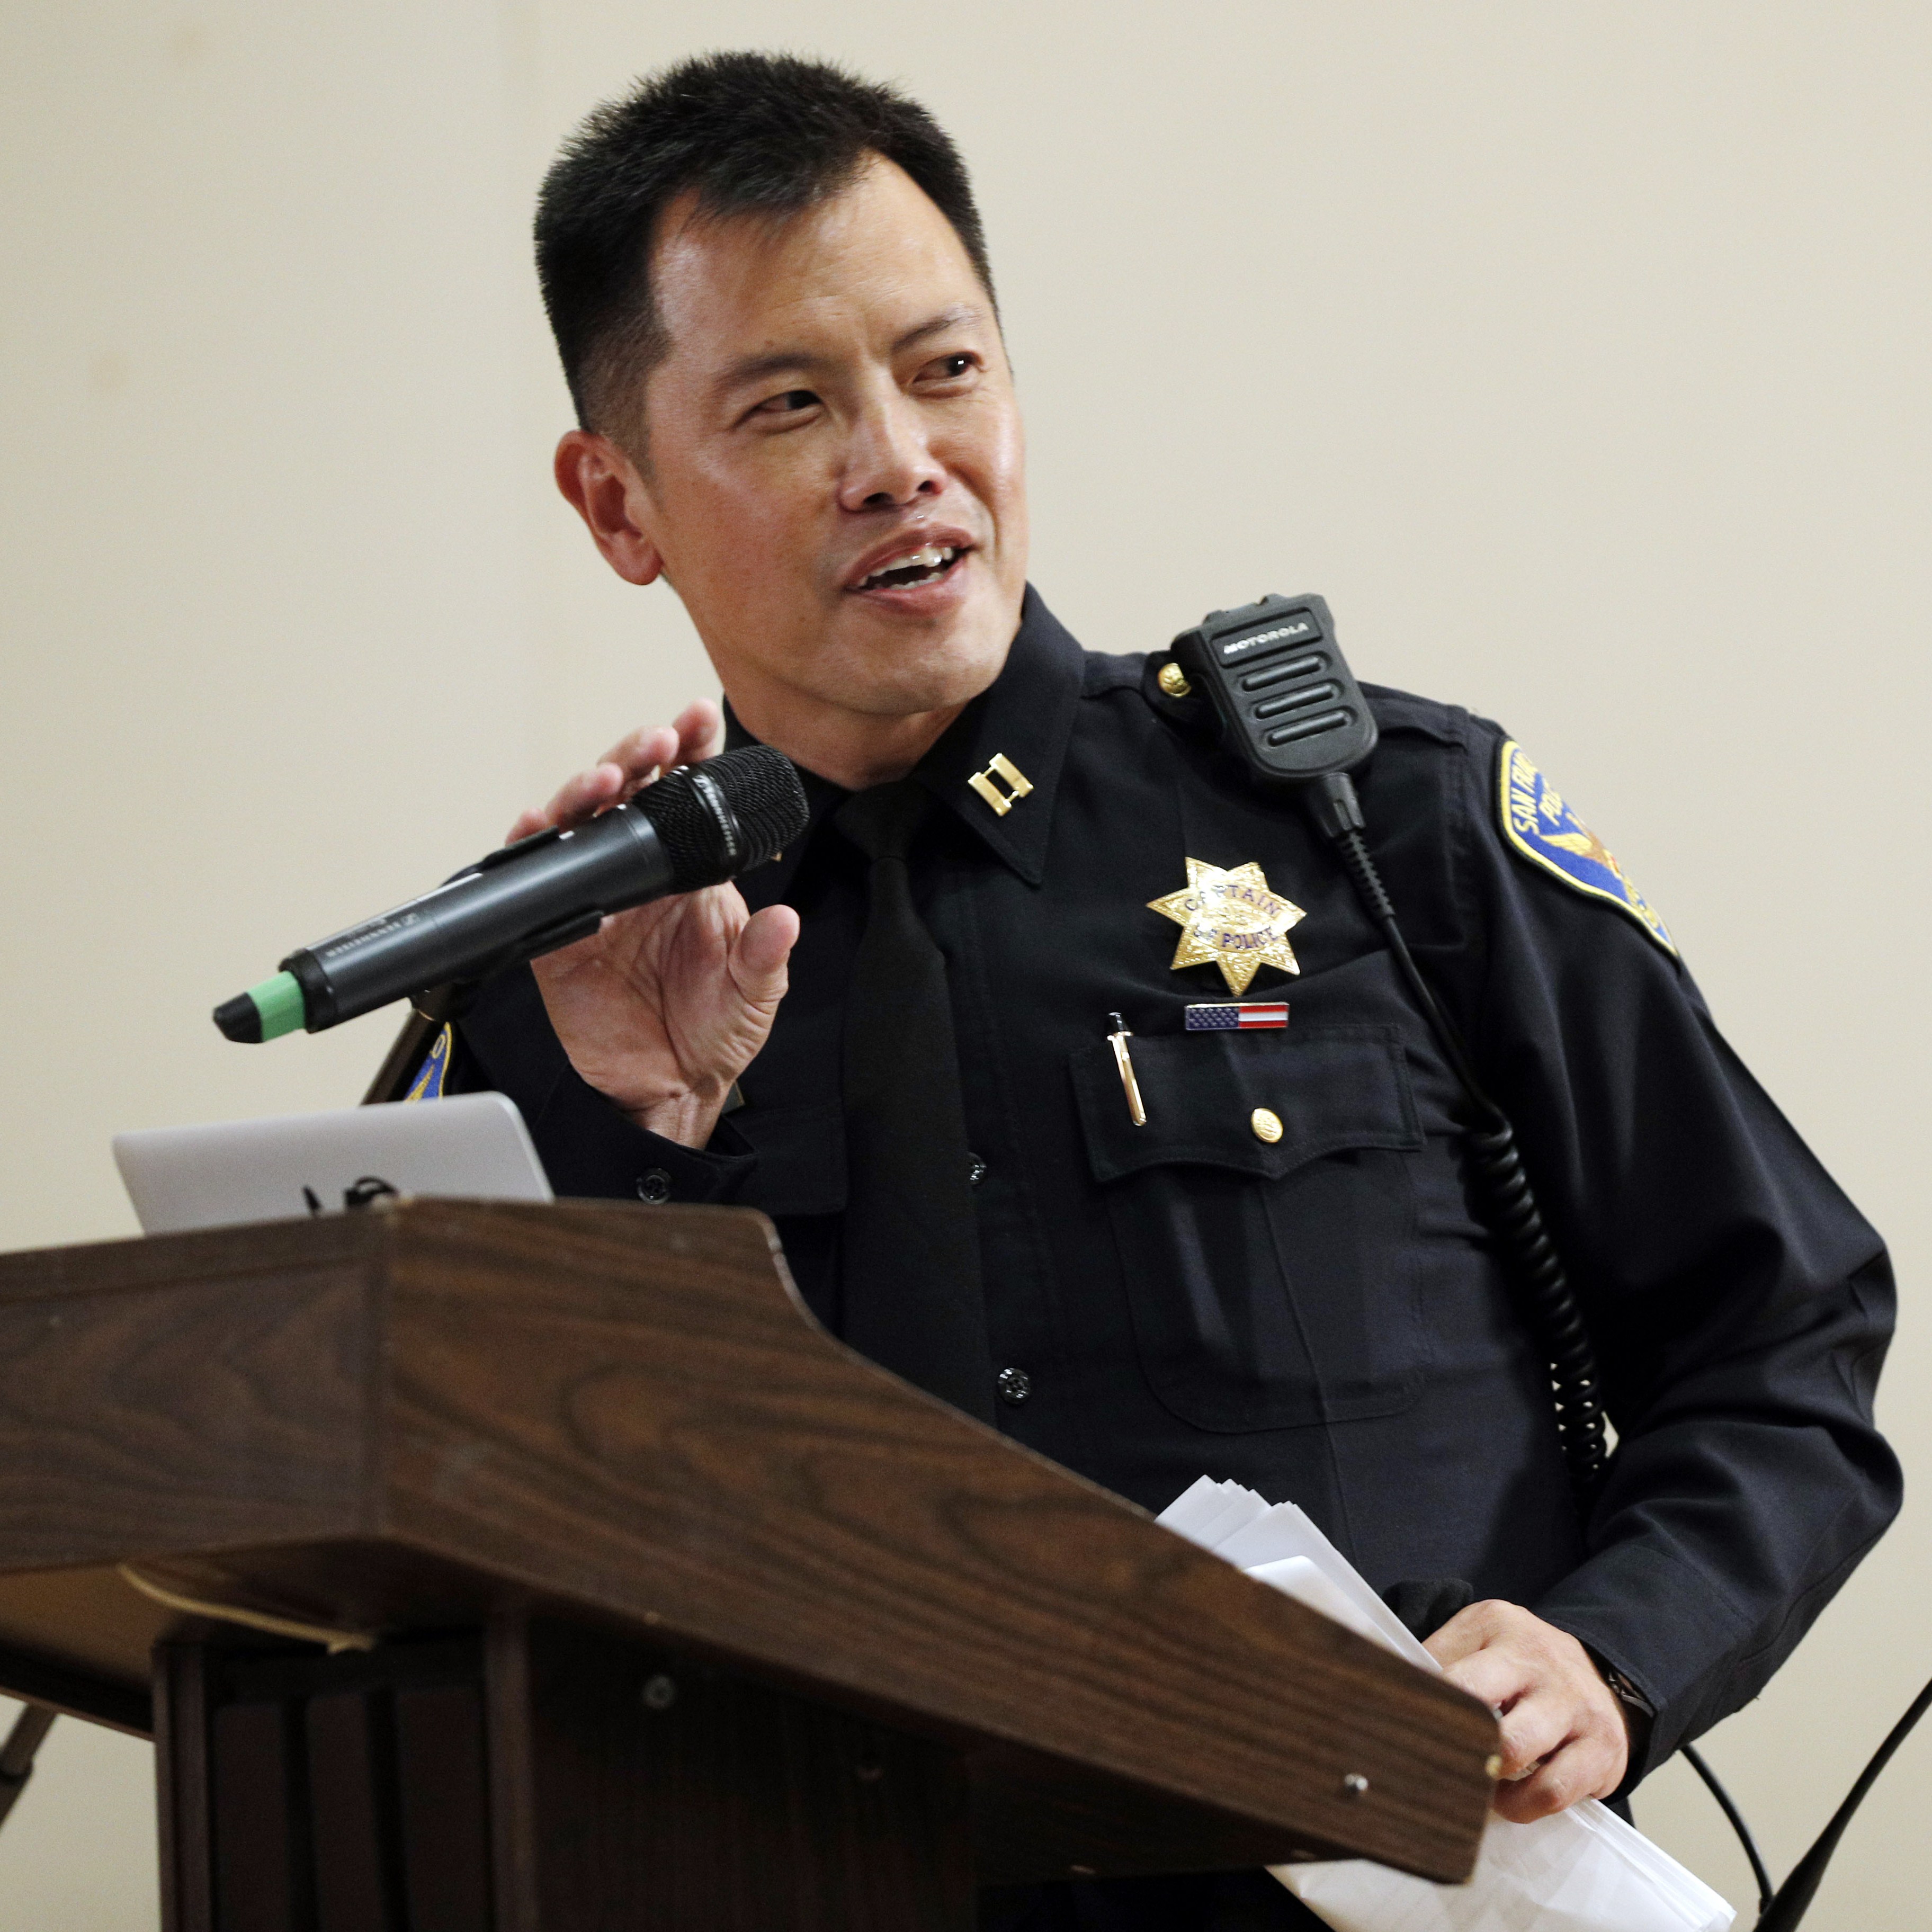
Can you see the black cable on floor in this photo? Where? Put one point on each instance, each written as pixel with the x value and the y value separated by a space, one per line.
pixel 16 1754
pixel 1797 1891
pixel 1765 1889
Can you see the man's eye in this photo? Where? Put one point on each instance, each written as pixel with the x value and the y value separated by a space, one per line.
pixel 787 404
pixel 950 368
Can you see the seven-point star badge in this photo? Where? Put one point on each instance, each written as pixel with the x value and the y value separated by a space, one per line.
pixel 1233 918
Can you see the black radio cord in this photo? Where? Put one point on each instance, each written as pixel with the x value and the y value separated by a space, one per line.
pixel 1549 1302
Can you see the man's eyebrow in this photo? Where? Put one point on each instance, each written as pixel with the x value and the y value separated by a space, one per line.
pixel 756 368
pixel 779 361
pixel 961 315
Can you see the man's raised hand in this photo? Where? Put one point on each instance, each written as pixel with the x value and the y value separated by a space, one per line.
pixel 665 1005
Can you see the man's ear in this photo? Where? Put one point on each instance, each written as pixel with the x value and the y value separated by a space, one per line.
pixel 602 485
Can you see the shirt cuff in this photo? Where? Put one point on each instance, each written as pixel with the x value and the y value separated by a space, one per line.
pixel 592 1150
pixel 1659 1624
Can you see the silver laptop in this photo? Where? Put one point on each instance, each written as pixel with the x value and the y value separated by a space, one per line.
pixel 474 1145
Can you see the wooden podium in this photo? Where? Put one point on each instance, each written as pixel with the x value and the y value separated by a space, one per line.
pixel 688 1617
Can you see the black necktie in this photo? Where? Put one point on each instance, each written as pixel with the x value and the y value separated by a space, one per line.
pixel 910 1250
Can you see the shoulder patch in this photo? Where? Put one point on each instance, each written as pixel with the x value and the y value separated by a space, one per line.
pixel 1539 822
pixel 427 1085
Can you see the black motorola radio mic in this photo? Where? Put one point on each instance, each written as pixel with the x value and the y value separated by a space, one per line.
pixel 697 825
pixel 1289 705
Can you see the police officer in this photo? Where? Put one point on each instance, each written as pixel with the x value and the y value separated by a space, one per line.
pixel 1004 1043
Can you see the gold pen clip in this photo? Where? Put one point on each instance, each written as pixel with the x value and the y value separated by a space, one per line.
pixel 1118 1039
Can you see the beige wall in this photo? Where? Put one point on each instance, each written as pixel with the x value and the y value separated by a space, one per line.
pixel 1577 352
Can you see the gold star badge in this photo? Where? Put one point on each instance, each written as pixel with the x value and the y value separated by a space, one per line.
pixel 1233 918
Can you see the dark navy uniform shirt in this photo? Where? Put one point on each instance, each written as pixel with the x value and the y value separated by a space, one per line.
pixel 1323 1316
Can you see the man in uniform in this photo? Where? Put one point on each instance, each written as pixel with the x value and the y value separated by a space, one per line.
pixel 905 1039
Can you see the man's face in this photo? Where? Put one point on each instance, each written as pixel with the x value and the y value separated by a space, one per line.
pixel 835 480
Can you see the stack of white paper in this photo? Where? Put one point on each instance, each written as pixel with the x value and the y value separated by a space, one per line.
pixel 1583 1871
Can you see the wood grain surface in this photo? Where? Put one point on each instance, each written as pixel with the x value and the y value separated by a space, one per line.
pixel 670 1796
pixel 424 1415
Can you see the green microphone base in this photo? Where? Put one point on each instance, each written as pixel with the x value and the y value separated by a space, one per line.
pixel 265 1012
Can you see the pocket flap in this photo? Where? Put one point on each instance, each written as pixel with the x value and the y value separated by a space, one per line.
pixel 801 1152
pixel 1329 1087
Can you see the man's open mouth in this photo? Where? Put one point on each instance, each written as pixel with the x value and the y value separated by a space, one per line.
pixel 927 564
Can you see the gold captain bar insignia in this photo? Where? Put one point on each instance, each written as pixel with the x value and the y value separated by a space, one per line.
pixel 1002 768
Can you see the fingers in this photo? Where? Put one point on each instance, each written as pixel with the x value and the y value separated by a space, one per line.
pixel 1587 1768
pixel 634 762
pixel 759 955
pixel 642 754
pixel 1467 1632
pixel 585 795
pixel 623 771
pixel 700 727
pixel 1536 1725
pixel 1563 1736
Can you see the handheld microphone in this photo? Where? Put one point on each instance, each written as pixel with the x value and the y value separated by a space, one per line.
pixel 698 826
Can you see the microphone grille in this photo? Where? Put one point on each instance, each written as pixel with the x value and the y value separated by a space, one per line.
pixel 763 809
pixel 763 789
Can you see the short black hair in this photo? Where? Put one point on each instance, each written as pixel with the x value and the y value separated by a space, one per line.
pixel 749 134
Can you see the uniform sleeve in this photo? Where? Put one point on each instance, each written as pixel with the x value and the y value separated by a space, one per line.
pixel 1740 1306
pixel 588 1148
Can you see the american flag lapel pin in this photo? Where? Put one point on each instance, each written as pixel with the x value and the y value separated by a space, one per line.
pixel 1236 1015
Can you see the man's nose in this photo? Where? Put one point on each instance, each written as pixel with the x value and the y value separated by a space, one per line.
pixel 890 461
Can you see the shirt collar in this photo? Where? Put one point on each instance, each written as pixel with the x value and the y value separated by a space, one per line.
pixel 1023 720
pixel 1020 724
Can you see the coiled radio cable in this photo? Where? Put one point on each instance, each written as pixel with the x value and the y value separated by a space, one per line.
pixel 1536 1269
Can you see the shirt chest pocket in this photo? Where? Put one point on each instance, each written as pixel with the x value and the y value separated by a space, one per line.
pixel 1265 1218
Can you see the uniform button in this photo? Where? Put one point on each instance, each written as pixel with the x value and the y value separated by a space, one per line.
pixel 975 1169
pixel 1016 1385
pixel 654 1185
pixel 1266 1124
pixel 1173 680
